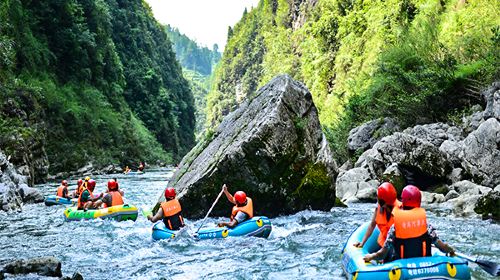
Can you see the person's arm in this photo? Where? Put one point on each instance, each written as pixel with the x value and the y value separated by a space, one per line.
pixel 157 217
pixel 94 199
pixel 228 195
pixel 380 254
pixel 231 224
pixel 369 231
pixel 442 246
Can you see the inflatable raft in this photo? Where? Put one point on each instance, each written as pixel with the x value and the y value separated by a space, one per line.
pixel 259 226
pixel 134 173
pixel 57 200
pixel 119 213
pixel 439 266
pixel 160 231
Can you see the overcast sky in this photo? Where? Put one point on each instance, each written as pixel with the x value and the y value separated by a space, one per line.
pixel 205 21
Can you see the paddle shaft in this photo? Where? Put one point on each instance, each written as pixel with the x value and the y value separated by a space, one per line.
pixel 210 210
pixel 491 267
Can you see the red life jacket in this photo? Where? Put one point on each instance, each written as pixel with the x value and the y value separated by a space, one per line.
pixel 412 239
pixel 60 191
pixel 247 209
pixel 383 224
pixel 172 214
pixel 116 199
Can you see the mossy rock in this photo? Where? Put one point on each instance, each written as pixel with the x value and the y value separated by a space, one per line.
pixel 315 187
pixel 489 205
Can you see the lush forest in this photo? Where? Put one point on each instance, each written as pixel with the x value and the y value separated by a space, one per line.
pixel 191 55
pixel 90 81
pixel 198 64
pixel 415 60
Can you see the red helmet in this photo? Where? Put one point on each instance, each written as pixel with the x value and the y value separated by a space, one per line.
pixel 169 193
pixel 240 197
pixel 387 193
pixel 64 182
pixel 411 196
pixel 91 184
pixel 80 182
pixel 112 185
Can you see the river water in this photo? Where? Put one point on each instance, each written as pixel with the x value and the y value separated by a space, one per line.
pixel 306 245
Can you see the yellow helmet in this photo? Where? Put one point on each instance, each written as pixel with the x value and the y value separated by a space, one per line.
pixel 87 178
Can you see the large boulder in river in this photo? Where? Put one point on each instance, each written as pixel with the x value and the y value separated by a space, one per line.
pixel 271 147
pixel 45 266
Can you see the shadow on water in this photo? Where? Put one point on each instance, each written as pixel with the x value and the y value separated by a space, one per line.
pixel 304 245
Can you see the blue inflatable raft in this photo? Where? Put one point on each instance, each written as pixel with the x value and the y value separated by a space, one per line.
pixel 439 266
pixel 259 226
pixel 57 200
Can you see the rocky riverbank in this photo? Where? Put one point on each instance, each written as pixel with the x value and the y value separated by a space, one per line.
pixel 43 266
pixel 14 189
pixel 456 166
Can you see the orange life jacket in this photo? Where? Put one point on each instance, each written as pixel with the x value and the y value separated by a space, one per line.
pixel 80 202
pixel 412 239
pixel 116 199
pixel 60 191
pixel 172 214
pixel 383 224
pixel 81 188
pixel 247 209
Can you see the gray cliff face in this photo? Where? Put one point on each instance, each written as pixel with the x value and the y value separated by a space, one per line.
pixel 271 147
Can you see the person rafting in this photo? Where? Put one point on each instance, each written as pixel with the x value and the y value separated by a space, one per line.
pixel 112 198
pixel 242 209
pixel 87 199
pixel 170 211
pixel 382 217
pixel 77 192
pixel 127 169
pixel 141 166
pixel 62 190
pixel 410 236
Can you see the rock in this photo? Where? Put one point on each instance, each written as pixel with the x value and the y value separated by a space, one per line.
pixel 472 122
pixel 428 198
pixel 469 195
pixel 489 205
pixel 13 187
pixel 30 195
pixel 453 151
pixel 86 170
pixel 356 185
pixel 492 97
pixel 394 175
pixel 76 276
pixel 435 133
pixel 271 147
pixel 346 166
pixel 497 188
pixel 405 150
pixel 469 188
pixel 481 153
pixel 451 195
pixel 366 135
pixel 456 175
pixel 45 266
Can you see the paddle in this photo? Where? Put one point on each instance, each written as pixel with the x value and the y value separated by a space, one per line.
pixel 491 267
pixel 145 212
pixel 210 210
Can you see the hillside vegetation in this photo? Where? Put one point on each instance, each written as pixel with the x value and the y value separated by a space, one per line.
pixel 418 61
pixel 90 80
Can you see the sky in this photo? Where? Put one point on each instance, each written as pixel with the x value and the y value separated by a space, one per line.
pixel 204 21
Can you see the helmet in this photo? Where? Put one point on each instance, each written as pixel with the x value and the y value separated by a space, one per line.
pixel 387 193
pixel 87 178
pixel 64 183
pixel 240 197
pixel 91 184
pixel 169 193
pixel 80 182
pixel 411 196
pixel 112 185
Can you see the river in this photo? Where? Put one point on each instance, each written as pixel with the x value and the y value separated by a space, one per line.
pixel 306 245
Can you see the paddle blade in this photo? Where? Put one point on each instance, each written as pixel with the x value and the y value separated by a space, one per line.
pixel 490 267
pixel 146 212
